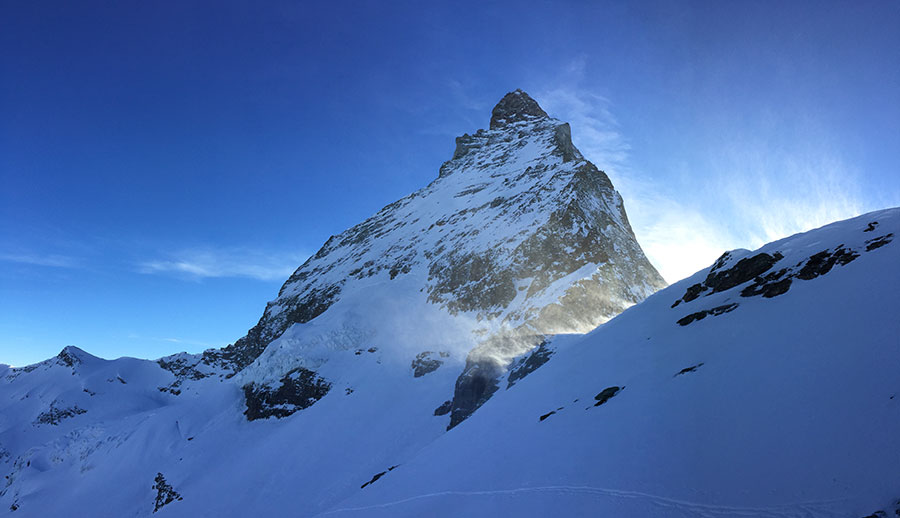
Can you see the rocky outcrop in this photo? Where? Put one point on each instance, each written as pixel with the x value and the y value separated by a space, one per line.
pixel 514 107
pixel 55 414
pixel 298 389
pixel 700 315
pixel 427 362
pixel 607 394
pixel 165 493
pixel 529 363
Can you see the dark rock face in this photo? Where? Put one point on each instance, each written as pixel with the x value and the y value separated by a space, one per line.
pixel 69 356
pixel 377 476
pixel 427 362
pixel 878 242
pixel 692 368
pixel 700 315
pixel 298 389
pixel 778 283
pixel 54 415
pixel 183 368
pixel 724 279
pixel 514 107
pixel 822 262
pixel 475 385
pixel 444 409
pixel 165 493
pixel 530 363
pixel 607 394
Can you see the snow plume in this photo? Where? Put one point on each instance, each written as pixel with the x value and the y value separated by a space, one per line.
pixel 201 263
pixel 740 194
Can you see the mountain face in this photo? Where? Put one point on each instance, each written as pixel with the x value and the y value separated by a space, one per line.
pixel 764 385
pixel 519 237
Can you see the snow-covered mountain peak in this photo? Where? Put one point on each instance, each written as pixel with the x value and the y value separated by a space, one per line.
pixel 518 237
pixel 514 107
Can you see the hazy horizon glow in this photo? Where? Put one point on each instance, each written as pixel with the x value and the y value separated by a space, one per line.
pixel 165 167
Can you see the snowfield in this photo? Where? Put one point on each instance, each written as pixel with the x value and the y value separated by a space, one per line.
pixel 784 406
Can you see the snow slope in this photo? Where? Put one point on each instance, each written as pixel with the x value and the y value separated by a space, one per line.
pixel 793 408
pixel 764 386
pixel 784 406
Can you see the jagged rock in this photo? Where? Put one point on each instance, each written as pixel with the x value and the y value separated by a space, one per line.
pixel 692 368
pixel 54 415
pixel 475 385
pixel 607 394
pixel 515 107
pixel 700 315
pixel 69 356
pixel 720 279
pixel 822 262
pixel 298 389
pixel 427 362
pixel 377 476
pixel 444 409
pixel 165 493
pixel 878 242
pixel 530 363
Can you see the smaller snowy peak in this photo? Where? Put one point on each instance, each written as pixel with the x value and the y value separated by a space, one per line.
pixel 514 107
pixel 71 356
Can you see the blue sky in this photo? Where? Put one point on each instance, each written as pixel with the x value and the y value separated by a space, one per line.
pixel 164 166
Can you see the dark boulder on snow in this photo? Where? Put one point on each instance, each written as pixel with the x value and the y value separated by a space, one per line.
pixel 692 368
pixel 878 242
pixel 607 394
pixel 377 476
pixel 700 315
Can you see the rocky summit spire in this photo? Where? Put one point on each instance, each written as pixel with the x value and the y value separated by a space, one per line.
pixel 515 106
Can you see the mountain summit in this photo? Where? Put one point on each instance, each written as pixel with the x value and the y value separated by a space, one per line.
pixel 519 237
pixel 514 107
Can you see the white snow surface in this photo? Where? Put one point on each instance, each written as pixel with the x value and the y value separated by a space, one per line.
pixel 795 411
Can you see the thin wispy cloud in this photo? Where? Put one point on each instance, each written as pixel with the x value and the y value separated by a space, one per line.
pixel 50 260
pixel 742 195
pixel 225 262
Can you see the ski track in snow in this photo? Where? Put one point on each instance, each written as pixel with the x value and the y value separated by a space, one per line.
pixel 820 508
